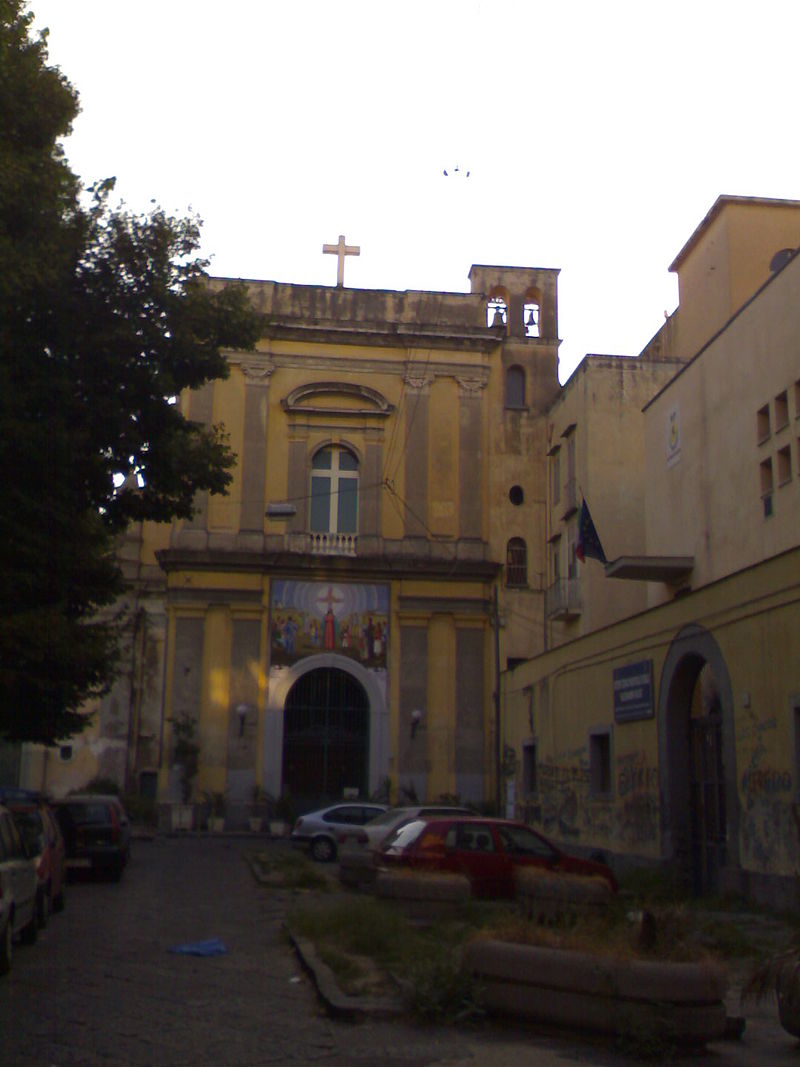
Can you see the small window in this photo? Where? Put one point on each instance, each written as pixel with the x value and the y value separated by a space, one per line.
pixel 796 725
pixel 600 763
pixel 555 477
pixel 784 458
pixel 516 562
pixel 555 560
pixel 797 399
pixel 529 783
pixel 766 477
pixel 781 410
pixel 516 495
pixel 515 387
pixel 572 561
pixel 762 423
pixel 65 753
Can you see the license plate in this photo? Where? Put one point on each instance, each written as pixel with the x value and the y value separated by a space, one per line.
pixel 79 863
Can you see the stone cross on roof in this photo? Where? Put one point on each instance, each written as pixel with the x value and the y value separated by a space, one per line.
pixel 341 250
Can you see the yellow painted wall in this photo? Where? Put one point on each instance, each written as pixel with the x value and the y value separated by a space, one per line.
pixel 724 264
pixel 706 501
pixel 754 617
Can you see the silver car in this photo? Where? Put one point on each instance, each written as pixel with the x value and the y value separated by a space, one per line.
pixel 318 830
pixel 17 889
pixel 358 846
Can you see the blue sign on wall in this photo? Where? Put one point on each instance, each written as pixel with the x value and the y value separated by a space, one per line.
pixel 633 691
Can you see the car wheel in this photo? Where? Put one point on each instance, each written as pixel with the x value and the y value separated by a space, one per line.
pixel 31 931
pixel 6 949
pixel 323 849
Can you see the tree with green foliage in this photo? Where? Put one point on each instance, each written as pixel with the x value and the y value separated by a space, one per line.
pixel 105 318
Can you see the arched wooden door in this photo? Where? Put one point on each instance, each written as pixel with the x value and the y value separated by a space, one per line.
pixel 325 738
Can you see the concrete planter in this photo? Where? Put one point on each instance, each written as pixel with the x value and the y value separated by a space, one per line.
pixel 547 898
pixel 216 823
pixel 423 896
pixel 278 828
pixel 679 1002
pixel 255 822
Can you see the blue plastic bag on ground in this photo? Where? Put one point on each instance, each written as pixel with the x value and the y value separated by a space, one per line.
pixel 212 947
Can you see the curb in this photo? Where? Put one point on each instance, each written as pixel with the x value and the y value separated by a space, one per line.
pixel 339 1004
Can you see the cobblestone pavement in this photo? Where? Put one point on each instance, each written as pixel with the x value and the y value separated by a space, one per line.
pixel 100 987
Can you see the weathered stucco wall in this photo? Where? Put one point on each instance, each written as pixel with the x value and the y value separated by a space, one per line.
pixel 559 700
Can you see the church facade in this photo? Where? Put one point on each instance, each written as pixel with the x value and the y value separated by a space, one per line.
pixel 334 625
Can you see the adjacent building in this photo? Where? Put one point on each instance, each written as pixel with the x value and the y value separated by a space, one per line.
pixel 663 724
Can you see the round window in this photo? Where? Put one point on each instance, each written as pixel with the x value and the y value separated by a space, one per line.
pixel 515 494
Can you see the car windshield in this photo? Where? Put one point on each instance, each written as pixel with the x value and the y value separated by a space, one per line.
pixel 406 835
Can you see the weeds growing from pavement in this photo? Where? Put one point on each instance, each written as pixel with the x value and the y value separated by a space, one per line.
pixel 288 869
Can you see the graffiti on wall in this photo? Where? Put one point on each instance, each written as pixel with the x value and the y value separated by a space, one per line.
pixel 561 783
pixel 770 835
pixel 637 790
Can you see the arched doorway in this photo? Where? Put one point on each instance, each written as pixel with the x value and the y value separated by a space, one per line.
pixel 698 761
pixel 325 737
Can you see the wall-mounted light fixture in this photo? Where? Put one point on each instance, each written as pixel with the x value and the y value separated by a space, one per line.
pixel 241 711
pixel 416 719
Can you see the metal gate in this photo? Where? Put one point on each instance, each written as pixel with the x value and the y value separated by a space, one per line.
pixel 707 791
pixel 325 738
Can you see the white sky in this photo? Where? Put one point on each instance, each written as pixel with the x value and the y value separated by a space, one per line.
pixel 597 135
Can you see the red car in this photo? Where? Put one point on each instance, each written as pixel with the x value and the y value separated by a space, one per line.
pixel 488 851
pixel 44 842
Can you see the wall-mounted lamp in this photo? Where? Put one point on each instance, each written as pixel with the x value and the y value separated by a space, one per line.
pixel 416 719
pixel 241 711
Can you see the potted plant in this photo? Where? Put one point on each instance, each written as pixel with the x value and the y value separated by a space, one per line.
pixel 258 801
pixel 186 756
pixel 281 822
pixel 216 817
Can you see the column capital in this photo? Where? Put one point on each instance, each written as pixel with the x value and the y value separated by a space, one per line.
pixel 257 372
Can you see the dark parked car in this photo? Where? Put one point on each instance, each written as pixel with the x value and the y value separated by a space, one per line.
pixel 45 843
pixel 318 829
pixel 97 833
pixel 488 851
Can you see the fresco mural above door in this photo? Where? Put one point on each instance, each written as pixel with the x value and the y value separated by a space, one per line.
pixel 307 618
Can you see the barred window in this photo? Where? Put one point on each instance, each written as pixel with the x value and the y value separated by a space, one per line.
pixel 516 562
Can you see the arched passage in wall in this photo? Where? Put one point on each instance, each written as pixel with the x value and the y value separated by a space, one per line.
pixel 359 700
pixel 697 760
